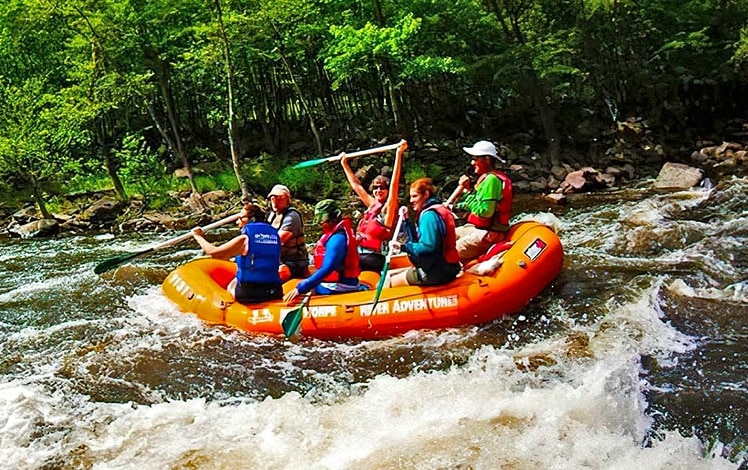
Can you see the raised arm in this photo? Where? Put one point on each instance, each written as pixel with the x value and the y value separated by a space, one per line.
pixel 355 183
pixel 392 198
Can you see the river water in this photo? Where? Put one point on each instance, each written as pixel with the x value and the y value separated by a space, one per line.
pixel 634 358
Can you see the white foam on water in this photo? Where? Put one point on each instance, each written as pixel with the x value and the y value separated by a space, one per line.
pixel 565 402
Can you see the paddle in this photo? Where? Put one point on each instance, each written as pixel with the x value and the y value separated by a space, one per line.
pixel 454 196
pixel 292 321
pixel 387 259
pixel 360 153
pixel 114 262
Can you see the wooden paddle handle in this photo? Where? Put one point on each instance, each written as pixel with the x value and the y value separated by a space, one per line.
pixel 188 235
pixel 455 195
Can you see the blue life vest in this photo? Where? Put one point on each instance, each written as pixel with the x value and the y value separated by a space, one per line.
pixel 260 264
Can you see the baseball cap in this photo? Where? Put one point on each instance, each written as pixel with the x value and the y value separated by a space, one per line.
pixel 482 148
pixel 326 209
pixel 280 190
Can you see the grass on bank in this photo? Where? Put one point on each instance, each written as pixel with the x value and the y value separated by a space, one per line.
pixel 160 191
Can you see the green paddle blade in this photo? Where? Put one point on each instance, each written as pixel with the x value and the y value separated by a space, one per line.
pixel 114 262
pixel 309 163
pixel 292 322
pixel 380 284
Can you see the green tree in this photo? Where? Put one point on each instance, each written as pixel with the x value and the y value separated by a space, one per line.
pixel 40 139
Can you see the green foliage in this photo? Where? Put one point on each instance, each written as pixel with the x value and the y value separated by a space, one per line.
pixel 353 52
pixel 141 167
pixel 82 76
pixel 224 180
pixel 741 49
pixel 413 170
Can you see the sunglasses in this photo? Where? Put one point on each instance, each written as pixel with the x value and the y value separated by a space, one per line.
pixel 380 186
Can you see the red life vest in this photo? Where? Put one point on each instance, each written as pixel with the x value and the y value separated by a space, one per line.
pixel 499 222
pixel 371 232
pixel 449 241
pixel 351 266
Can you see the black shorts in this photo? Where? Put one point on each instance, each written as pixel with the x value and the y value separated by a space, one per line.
pixel 250 293
pixel 419 277
pixel 371 261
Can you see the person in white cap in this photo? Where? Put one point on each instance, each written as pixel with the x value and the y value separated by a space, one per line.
pixel 489 203
pixel 287 220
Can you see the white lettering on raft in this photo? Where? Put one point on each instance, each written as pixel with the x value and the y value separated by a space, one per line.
pixel 430 303
pixel 321 311
pixel 260 316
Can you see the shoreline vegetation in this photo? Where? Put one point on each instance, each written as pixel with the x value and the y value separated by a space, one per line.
pixel 123 97
pixel 101 212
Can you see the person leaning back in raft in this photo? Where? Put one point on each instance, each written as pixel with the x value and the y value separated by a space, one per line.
pixel 375 228
pixel 335 256
pixel 257 254
pixel 489 203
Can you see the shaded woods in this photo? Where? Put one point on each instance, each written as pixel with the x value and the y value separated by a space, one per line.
pixel 117 94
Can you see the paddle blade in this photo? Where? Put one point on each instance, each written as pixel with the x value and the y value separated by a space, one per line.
pixel 120 260
pixel 380 284
pixel 309 163
pixel 292 322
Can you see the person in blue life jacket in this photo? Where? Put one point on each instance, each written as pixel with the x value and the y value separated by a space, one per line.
pixel 256 252
pixel 335 255
pixel 430 246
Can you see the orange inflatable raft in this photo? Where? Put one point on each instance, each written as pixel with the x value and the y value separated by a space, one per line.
pixel 530 264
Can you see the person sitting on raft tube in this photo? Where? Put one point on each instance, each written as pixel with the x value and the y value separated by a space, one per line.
pixel 256 252
pixel 287 220
pixel 490 204
pixel 335 255
pixel 431 246
pixel 375 228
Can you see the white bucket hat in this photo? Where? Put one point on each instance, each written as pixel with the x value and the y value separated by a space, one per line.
pixel 482 148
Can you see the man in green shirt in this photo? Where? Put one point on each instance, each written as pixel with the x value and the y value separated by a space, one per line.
pixel 489 203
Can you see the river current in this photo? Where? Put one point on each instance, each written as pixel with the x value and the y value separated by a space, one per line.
pixel 635 357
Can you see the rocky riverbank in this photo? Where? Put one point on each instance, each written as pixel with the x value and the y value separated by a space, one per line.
pixel 101 212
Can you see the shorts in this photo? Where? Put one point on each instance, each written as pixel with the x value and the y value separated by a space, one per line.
pixel 371 261
pixel 250 293
pixel 473 242
pixel 329 288
pixel 419 277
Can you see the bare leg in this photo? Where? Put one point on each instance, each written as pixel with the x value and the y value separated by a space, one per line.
pixel 399 279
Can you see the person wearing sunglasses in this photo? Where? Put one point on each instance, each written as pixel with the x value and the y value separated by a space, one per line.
pixel 256 252
pixel 374 229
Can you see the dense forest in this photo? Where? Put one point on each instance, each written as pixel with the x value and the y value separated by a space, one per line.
pixel 119 93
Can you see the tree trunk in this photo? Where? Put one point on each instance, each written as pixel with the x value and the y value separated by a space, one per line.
pixel 236 164
pixel 39 199
pixel 302 100
pixel 103 138
pixel 111 170
pixel 163 74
